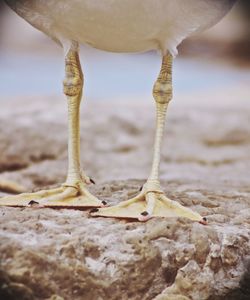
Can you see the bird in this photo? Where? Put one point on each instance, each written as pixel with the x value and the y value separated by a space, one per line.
pixel 116 26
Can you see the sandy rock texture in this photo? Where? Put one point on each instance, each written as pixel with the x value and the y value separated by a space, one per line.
pixel 64 254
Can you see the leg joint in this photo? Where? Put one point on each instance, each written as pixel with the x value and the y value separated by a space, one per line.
pixel 72 86
pixel 73 81
pixel 162 92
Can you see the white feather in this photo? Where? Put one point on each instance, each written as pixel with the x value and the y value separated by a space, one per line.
pixel 122 25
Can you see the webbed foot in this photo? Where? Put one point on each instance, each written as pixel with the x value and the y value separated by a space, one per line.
pixel 76 196
pixel 150 202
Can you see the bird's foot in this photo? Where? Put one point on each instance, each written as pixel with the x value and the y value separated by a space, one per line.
pixel 150 202
pixel 75 195
pixel 11 187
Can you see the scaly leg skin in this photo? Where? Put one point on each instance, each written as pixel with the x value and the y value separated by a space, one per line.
pixel 151 201
pixel 74 192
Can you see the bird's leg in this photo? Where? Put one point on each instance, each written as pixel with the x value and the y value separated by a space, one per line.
pixel 74 192
pixel 151 201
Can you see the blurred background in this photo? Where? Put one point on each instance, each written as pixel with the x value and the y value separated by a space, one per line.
pixel 31 64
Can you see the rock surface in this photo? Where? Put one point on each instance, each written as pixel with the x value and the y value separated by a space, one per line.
pixel 65 254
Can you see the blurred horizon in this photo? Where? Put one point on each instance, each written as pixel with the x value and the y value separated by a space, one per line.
pixel 32 63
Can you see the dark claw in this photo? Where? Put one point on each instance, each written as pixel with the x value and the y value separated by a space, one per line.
pixel 144 213
pixel 32 202
pixel 141 188
pixel 92 180
pixel 104 202
pixel 204 221
pixel 93 210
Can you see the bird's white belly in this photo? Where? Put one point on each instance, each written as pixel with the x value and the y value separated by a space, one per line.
pixel 110 26
pixel 121 25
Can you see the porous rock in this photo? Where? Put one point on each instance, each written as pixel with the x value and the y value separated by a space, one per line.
pixel 65 254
